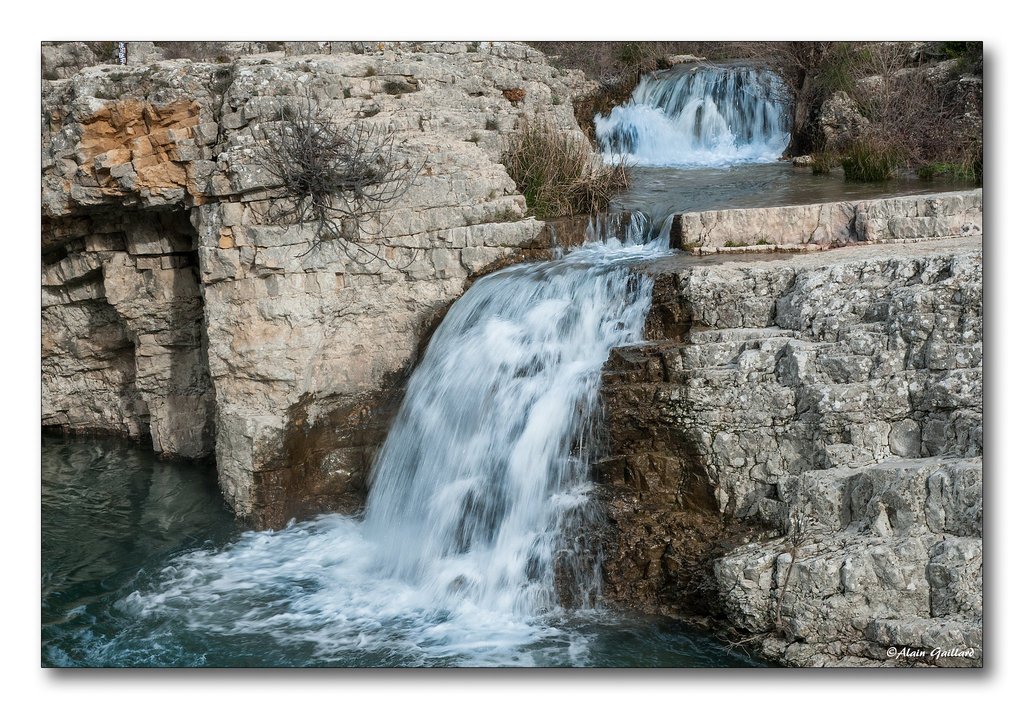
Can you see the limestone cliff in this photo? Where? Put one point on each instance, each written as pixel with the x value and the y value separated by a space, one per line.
pixel 172 309
pixel 797 450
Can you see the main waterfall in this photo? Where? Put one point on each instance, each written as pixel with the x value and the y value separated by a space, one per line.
pixel 479 532
pixel 482 483
pixel 703 116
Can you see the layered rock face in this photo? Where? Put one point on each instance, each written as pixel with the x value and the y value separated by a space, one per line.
pixel 174 310
pixel 797 450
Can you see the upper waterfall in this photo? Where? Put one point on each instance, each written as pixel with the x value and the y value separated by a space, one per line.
pixel 704 116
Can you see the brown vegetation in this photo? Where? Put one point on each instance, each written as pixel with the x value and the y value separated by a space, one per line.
pixel 340 179
pixel 916 113
pixel 557 174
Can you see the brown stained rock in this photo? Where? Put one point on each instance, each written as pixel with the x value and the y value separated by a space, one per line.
pixel 139 133
pixel 665 529
pixel 327 453
pixel 514 96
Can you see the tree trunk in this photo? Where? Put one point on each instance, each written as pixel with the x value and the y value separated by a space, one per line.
pixel 799 140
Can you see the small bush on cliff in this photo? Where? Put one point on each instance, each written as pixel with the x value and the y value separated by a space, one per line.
pixel 557 174
pixel 338 178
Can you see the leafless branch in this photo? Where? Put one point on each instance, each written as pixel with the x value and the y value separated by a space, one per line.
pixel 340 178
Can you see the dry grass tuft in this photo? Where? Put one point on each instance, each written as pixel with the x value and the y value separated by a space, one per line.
pixel 559 175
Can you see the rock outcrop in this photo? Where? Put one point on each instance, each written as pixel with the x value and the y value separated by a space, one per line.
pixel 797 451
pixel 840 122
pixel 174 309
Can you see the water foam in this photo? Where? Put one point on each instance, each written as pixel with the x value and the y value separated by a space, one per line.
pixel 707 116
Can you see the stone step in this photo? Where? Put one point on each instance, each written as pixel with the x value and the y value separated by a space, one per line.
pixel 897 497
pixel 827 585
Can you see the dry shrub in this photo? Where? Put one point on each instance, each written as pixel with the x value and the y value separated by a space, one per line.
pixel 558 174
pixel 918 114
pixel 913 111
pixel 339 178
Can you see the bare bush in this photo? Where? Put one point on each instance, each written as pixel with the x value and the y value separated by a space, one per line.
pixel 339 178
pixel 559 175
pixel 911 111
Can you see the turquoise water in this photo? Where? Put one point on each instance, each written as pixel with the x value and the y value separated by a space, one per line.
pixel 120 527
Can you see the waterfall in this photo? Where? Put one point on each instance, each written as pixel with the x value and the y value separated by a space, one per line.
pixel 704 116
pixel 489 452
pixel 480 526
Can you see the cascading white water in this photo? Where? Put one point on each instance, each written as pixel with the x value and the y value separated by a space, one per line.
pixel 489 451
pixel 475 531
pixel 708 116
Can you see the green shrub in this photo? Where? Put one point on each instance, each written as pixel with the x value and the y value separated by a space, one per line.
pixel 491 124
pixel 967 170
pixel 868 162
pixel 823 163
pixel 397 88
pixel 557 174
